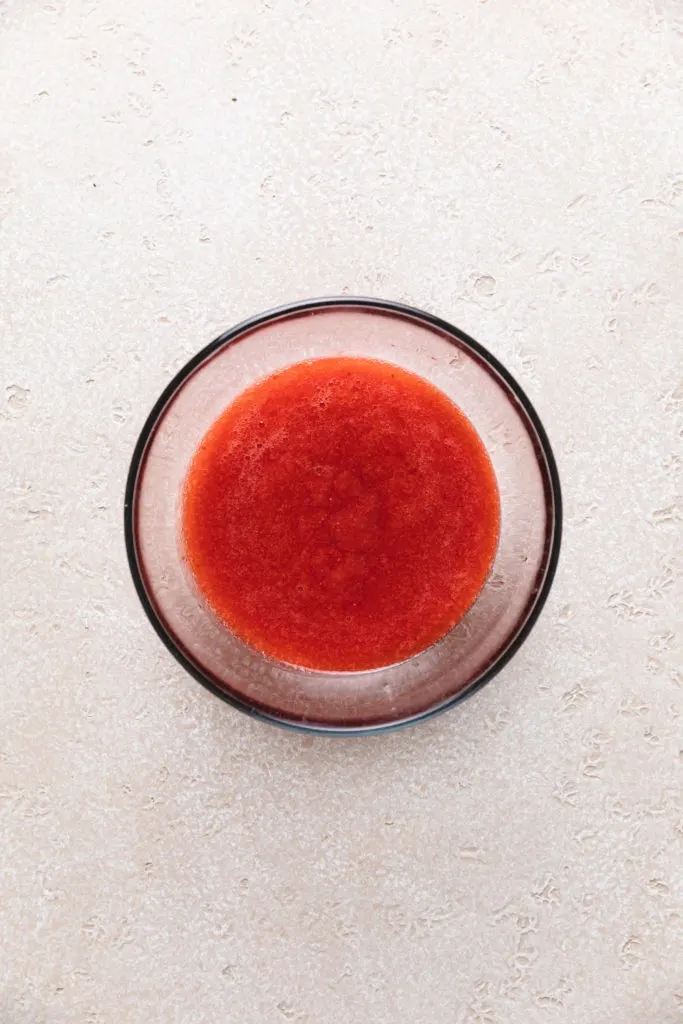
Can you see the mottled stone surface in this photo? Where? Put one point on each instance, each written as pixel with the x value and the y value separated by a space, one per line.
pixel 169 168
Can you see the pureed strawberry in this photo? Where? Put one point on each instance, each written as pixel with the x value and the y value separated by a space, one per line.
pixel 341 515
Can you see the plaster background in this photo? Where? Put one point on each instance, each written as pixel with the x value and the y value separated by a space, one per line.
pixel 167 169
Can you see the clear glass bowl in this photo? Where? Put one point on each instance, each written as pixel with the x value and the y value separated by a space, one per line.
pixel 512 598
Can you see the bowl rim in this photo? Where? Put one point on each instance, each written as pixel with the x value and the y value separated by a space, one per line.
pixel 228 337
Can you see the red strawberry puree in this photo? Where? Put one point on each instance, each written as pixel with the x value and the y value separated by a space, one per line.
pixel 341 515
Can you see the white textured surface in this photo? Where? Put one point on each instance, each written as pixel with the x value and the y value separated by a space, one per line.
pixel 513 166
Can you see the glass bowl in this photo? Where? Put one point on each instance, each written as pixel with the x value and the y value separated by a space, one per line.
pixel 516 589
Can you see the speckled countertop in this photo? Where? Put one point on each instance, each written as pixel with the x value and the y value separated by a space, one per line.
pixel 169 168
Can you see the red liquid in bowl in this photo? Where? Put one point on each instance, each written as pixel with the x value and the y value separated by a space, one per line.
pixel 342 515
